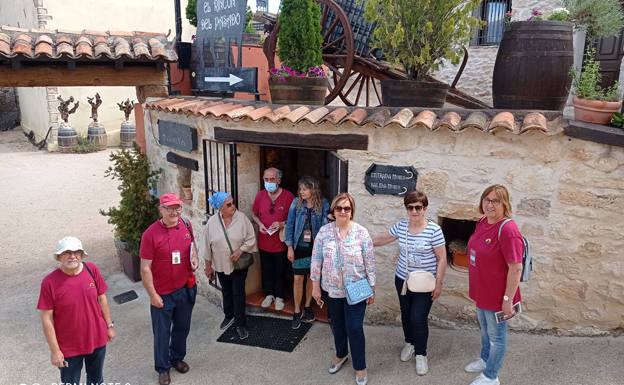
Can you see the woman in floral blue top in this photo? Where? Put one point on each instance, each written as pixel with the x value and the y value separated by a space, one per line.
pixel 343 252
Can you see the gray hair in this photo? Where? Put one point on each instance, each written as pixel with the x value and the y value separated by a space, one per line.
pixel 277 171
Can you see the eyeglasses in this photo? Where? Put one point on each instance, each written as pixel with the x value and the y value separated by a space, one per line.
pixel 414 207
pixel 229 204
pixel 172 209
pixel 272 210
pixel 495 202
pixel 346 209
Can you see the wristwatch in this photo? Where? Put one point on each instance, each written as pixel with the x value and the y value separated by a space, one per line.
pixel 505 298
pixel 111 325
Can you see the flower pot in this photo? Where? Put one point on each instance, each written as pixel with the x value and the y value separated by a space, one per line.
pixel 595 111
pixel 298 90
pixel 130 264
pixel 411 93
pixel 532 64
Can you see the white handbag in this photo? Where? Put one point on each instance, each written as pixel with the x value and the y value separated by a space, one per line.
pixel 418 281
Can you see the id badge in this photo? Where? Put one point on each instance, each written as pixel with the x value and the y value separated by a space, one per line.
pixel 473 257
pixel 307 236
pixel 175 257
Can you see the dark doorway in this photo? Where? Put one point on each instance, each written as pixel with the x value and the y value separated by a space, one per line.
pixel 609 52
pixel 457 232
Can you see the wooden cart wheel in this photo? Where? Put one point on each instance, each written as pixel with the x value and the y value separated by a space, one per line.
pixel 362 87
pixel 338 46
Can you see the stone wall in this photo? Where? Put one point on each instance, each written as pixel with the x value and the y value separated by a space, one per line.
pixel 476 79
pixel 567 197
pixel 9 109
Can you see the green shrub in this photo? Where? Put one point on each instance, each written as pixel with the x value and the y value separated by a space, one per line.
pixel 299 42
pixel 600 18
pixel 559 14
pixel 586 84
pixel 191 12
pixel 137 208
pixel 617 120
pixel 419 34
pixel 85 146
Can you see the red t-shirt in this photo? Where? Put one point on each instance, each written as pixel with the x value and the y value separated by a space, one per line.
pixel 78 322
pixel 262 209
pixel 158 245
pixel 488 262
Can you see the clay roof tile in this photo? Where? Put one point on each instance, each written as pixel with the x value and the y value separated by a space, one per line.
pixel 357 116
pixel 297 114
pixel 477 120
pixel 502 120
pixel 316 115
pixel 278 114
pixel 451 120
pixel 425 119
pixel 259 112
pixel 534 121
pixel 401 118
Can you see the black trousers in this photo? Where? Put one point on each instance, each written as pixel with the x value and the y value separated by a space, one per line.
pixel 415 309
pixel 233 291
pixel 273 272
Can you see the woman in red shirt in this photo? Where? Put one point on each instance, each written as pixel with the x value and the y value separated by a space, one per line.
pixel 494 271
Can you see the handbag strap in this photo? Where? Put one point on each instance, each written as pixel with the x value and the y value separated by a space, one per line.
pixel 339 254
pixel 225 233
pixel 90 273
pixel 501 226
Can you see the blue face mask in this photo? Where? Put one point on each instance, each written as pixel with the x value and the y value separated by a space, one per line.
pixel 270 186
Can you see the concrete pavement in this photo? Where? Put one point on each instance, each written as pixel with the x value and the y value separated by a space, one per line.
pixel 46 196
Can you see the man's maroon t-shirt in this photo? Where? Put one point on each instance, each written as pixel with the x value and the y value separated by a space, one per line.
pixel 262 209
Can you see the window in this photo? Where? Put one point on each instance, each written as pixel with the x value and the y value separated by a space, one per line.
pixel 493 13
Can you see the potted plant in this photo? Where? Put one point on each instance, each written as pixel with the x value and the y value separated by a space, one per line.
pixel 592 103
pixel 300 80
pixel 137 208
pixel 419 35
pixel 539 51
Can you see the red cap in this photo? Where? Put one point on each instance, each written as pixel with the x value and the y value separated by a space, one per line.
pixel 170 199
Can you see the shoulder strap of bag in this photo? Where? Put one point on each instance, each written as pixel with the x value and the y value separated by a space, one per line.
pixel 225 233
pixel 90 273
pixel 501 226
pixel 406 250
pixel 186 223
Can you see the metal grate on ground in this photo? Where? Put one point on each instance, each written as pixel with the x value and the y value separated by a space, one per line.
pixel 269 333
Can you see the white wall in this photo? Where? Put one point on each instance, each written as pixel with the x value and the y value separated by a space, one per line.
pixel 18 13
pixel 34 111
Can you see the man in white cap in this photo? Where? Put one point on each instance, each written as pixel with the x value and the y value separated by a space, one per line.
pixel 75 315
pixel 167 271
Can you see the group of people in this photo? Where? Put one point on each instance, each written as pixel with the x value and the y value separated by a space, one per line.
pixel 330 255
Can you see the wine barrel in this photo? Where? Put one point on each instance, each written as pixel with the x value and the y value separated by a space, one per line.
pixel 298 90
pixel 67 138
pixel 127 134
pixel 532 64
pixel 97 134
pixel 410 93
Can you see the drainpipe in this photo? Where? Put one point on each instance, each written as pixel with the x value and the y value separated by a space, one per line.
pixel 178 21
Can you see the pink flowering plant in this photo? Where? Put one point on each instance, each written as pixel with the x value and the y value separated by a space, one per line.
pixel 284 71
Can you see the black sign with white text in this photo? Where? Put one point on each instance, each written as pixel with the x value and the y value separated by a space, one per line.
pixel 390 180
pixel 176 135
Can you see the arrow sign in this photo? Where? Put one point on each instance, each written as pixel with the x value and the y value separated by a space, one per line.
pixel 228 79
pixel 232 79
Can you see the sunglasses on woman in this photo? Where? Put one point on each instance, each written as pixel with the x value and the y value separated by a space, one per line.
pixel 414 207
pixel 346 209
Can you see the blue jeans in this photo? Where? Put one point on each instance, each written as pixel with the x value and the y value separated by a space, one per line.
pixel 347 325
pixel 94 363
pixel 493 342
pixel 171 325
pixel 415 309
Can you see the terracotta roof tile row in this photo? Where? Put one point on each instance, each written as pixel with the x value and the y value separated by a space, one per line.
pixel 86 45
pixel 456 120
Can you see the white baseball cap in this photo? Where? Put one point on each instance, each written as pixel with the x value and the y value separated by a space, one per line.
pixel 69 243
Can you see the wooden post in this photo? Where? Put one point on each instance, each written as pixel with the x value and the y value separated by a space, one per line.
pixel 144 92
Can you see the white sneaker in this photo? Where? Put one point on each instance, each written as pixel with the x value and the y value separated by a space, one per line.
pixel 268 300
pixel 421 365
pixel 279 304
pixel 483 380
pixel 475 366
pixel 407 352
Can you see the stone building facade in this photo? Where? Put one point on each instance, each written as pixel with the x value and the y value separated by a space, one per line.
pixel 567 194
pixel 9 108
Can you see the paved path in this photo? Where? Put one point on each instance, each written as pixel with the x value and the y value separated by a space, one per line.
pixel 46 196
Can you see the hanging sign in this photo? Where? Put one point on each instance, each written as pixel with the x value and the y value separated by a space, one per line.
pixel 390 180
pixel 177 135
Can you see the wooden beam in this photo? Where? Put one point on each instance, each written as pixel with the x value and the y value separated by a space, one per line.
pixel 174 158
pixel 58 75
pixel 321 141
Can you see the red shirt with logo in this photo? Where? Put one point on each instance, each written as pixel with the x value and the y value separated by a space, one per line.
pixel 158 245
pixel 488 262
pixel 262 209
pixel 78 321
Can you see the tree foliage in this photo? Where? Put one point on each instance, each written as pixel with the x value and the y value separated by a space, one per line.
pixel 191 12
pixel 299 42
pixel 137 208
pixel 419 34
pixel 600 18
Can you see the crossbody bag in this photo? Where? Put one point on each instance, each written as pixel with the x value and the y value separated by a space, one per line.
pixel 418 281
pixel 245 260
pixel 358 290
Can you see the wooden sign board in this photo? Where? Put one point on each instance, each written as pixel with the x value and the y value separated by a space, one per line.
pixel 177 135
pixel 390 180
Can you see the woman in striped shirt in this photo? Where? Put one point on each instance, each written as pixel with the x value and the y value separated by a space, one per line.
pixel 422 245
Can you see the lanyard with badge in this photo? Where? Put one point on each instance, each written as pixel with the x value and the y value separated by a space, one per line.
pixel 307 234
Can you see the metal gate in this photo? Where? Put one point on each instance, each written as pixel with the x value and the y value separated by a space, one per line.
pixel 337 170
pixel 220 170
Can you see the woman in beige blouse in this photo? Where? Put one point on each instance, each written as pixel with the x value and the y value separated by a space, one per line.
pixel 219 258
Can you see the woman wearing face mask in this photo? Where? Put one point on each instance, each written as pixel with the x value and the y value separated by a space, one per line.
pixel 308 212
pixel 270 211
pixel 421 244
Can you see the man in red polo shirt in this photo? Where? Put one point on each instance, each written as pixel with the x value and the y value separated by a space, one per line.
pixel 167 272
